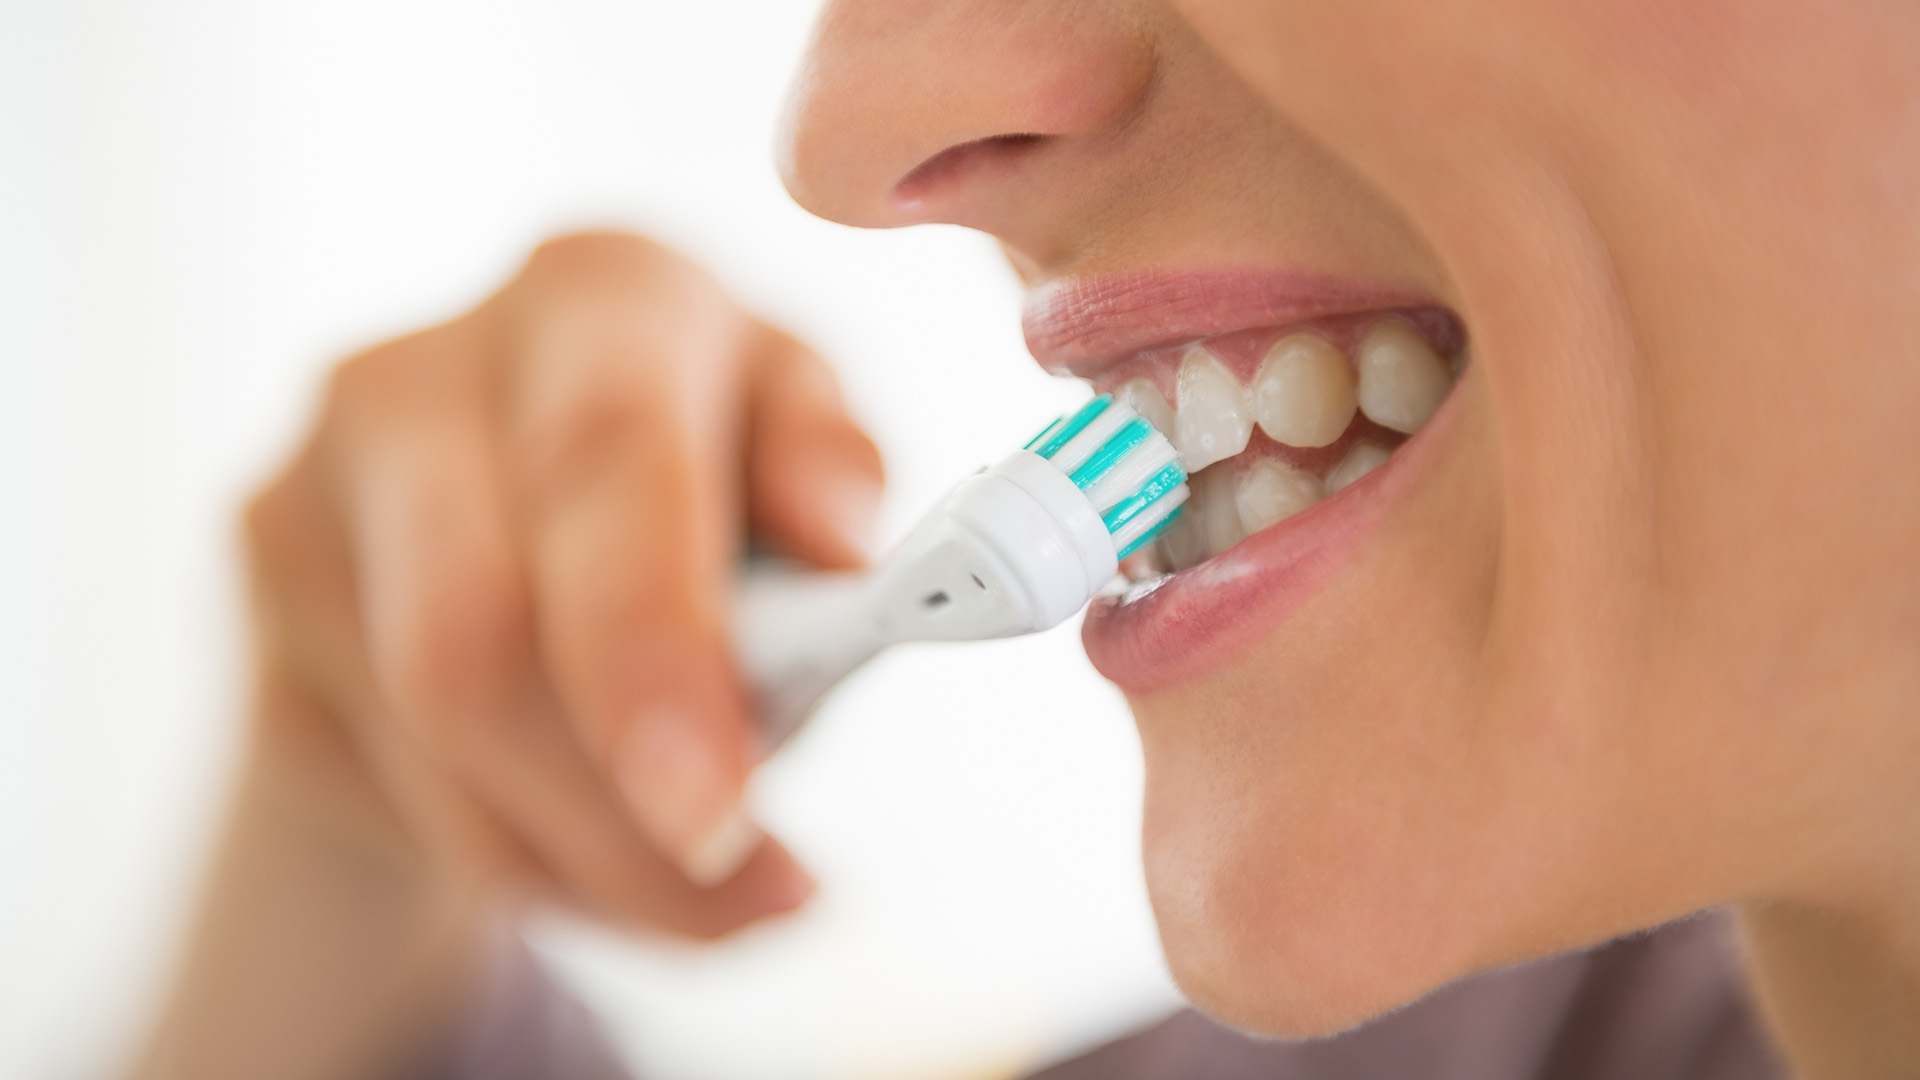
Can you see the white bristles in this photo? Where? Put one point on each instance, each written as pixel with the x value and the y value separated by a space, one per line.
pixel 1140 465
pixel 1148 518
pixel 1091 438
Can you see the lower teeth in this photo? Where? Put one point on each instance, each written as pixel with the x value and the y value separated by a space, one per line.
pixel 1231 502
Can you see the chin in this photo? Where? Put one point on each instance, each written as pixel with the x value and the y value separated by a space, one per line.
pixel 1300 910
pixel 1250 953
pixel 1265 966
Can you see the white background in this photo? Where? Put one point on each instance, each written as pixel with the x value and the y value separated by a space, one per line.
pixel 201 203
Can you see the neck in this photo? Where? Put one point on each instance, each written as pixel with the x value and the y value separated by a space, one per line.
pixel 1840 986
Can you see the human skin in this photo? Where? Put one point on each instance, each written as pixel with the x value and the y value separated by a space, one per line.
pixel 1639 630
pixel 489 596
pixel 1633 633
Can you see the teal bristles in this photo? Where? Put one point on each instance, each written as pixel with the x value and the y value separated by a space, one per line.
pixel 1128 470
pixel 1163 481
pixel 1064 429
pixel 1131 434
pixel 1151 534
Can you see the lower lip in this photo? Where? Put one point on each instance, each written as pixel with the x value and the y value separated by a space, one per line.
pixel 1199 619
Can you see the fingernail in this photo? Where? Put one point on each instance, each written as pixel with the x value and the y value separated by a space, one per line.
pixel 683 796
pixel 852 506
pixel 715 857
pixel 794 888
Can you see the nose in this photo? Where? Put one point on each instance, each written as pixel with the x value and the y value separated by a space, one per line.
pixel 911 111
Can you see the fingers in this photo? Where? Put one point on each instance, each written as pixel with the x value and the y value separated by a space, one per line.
pixel 814 477
pixel 506 561
pixel 623 426
pixel 310 642
pixel 450 641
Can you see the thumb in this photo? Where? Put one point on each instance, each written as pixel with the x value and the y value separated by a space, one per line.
pixel 814 478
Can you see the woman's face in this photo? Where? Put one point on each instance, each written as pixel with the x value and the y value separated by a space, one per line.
pixel 1602 641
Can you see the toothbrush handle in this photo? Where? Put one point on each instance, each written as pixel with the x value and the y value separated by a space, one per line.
pixel 1013 549
pixel 796 634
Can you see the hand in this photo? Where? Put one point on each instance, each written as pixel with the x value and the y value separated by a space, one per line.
pixel 501 565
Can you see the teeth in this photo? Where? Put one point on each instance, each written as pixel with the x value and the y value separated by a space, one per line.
pixel 1144 565
pixel 1304 394
pixel 1359 461
pixel 1402 380
pixel 1219 511
pixel 1185 544
pixel 1143 397
pixel 1213 421
pixel 1212 522
pixel 1272 491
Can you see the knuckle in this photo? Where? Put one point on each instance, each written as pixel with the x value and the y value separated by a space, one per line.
pixel 459 660
pixel 596 245
pixel 395 376
pixel 359 383
pixel 576 446
pixel 625 287
pixel 602 257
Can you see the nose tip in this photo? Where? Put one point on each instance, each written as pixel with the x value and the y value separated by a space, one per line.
pixel 916 111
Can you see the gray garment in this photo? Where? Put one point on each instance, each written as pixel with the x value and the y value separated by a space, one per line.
pixel 1669 1004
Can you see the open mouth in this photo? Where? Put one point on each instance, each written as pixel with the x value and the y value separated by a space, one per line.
pixel 1271 421
pixel 1294 399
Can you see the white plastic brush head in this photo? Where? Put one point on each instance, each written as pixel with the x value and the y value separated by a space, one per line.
pixel 1021 546
pixel 1015 548
pixel 1128 471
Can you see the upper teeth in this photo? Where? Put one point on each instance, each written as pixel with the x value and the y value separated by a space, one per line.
pixel 1402 380
pixel 1213 421
pixel 1305 394
pixel 1142 397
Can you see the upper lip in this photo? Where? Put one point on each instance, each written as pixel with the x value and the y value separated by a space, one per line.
pixel 1083 325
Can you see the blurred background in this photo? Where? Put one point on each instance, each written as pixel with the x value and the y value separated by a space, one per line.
pixel 203 203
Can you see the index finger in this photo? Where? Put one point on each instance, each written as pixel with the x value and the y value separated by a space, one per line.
pixel 625 432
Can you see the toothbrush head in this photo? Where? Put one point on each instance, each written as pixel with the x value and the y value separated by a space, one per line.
pixel 1016 548
pixel 1024 544
pixel 1127 470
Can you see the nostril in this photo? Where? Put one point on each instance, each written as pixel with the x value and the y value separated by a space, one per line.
pixel 949 166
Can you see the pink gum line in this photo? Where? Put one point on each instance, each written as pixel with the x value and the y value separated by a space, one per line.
pixel 1242 350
